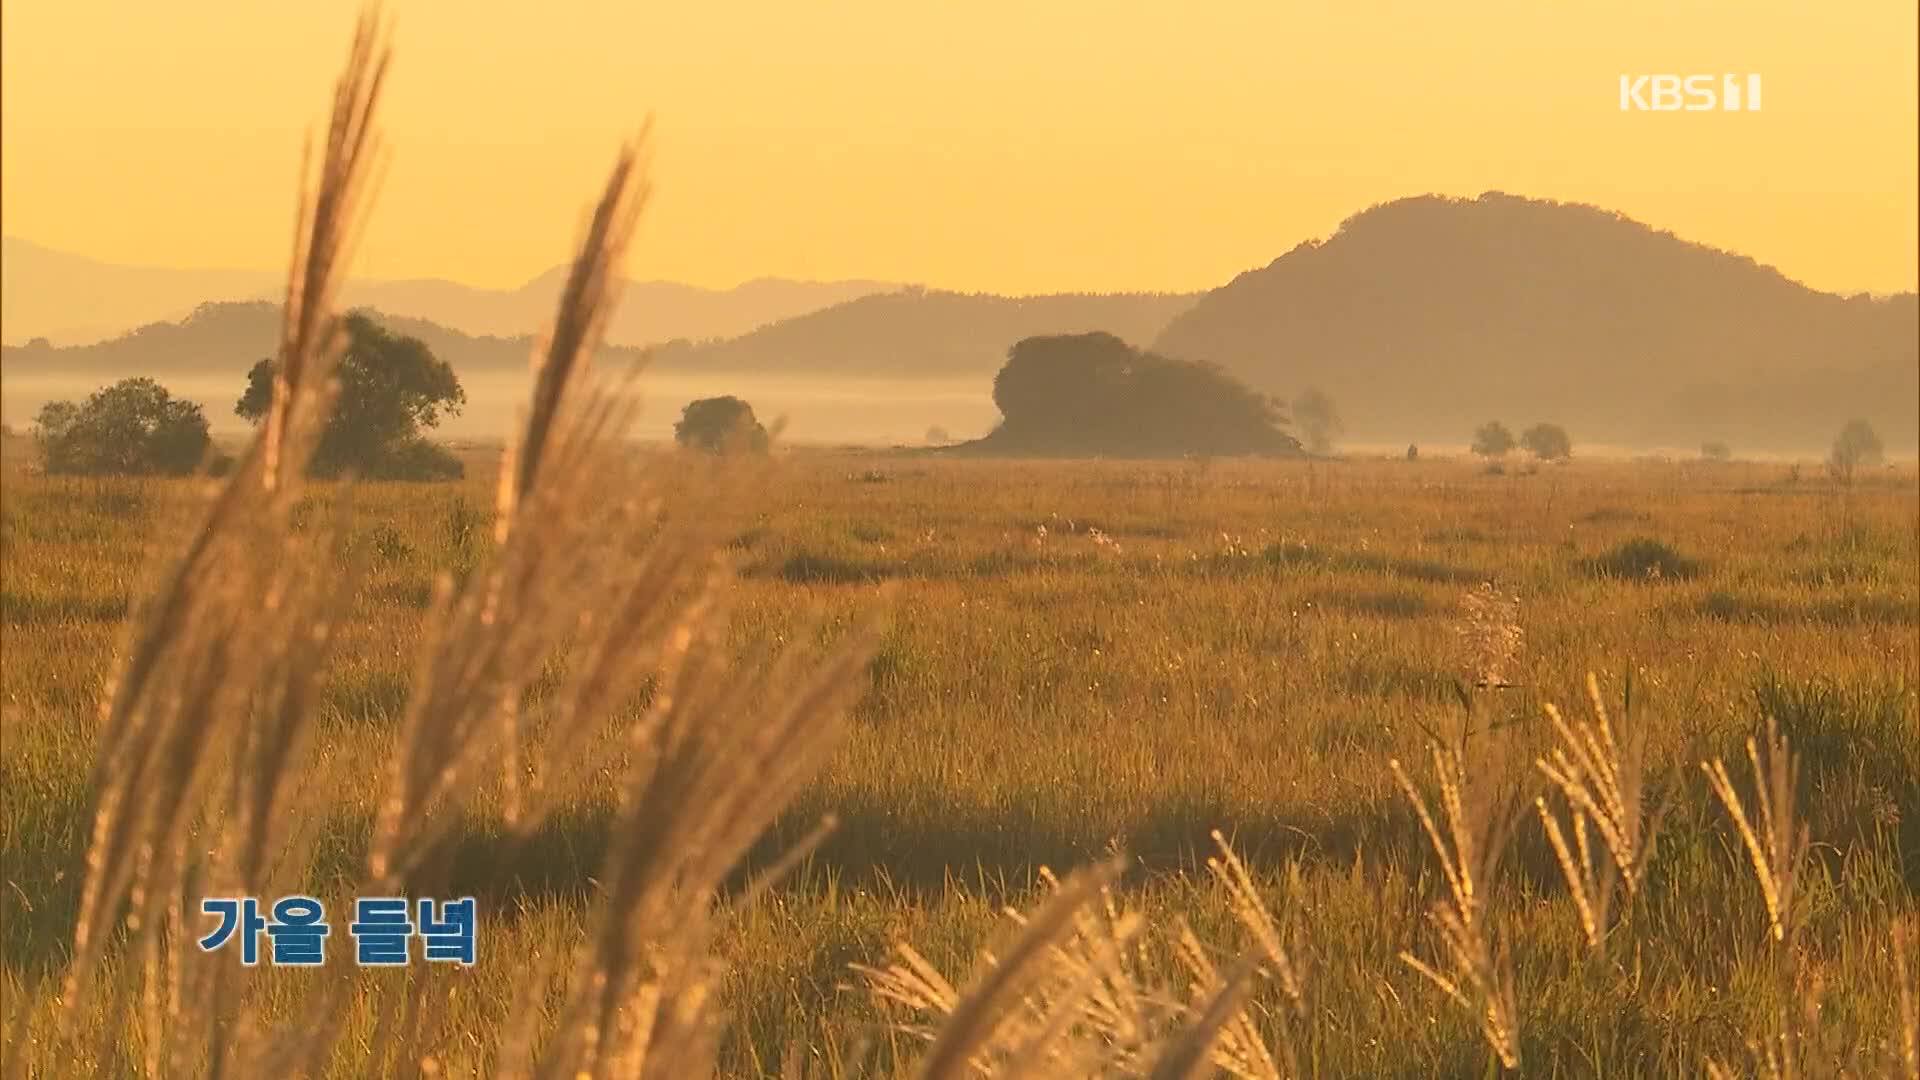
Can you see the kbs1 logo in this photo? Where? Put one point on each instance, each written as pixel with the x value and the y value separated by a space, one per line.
pixel 1689 93
pixel 297 932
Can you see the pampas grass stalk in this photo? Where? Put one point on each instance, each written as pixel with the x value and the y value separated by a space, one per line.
pixel 227 652
pixel 977 1014
pixel 1478 827
pixel 1777 842
pixel 231 651
pixel 1076 993
pixel 1600 773
pixel 1906 951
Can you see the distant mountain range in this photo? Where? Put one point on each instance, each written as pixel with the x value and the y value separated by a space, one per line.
pixel 877 368
pixel 73 300
pixel 225 339
pixel 1427 316
pixel 1422 318
pixel 924 333
pixel 912 333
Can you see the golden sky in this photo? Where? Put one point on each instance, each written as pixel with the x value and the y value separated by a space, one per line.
pixel 1023 146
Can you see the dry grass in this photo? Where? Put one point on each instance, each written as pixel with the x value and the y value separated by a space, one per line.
pixel 211 715
pixel 1480 819
pixel 1777 841
pixel 1601 774
pixel 1026 708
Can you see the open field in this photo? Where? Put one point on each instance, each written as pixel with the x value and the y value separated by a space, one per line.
pixel 1090 656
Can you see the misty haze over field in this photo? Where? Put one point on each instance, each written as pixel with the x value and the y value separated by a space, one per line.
pixel 863 412
pixel 1422 318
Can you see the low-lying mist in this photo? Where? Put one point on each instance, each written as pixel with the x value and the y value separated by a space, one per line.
pixel 881 412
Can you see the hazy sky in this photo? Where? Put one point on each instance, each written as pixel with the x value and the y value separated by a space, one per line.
pixel 1024 146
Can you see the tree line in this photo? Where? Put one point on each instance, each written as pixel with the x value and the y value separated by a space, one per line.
pixel 1072 393
pixel 391 390
pixel 1857 446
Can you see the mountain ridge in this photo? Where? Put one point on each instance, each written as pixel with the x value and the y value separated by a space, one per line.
pixel 1428 315
pixel 77 300
pixel 1422 317
pixel 952 334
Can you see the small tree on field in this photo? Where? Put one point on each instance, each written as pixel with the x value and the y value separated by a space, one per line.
pixel 720 424
pixel 1493 440
pixel 132 428
pixel 1548 442
pixel 1716 451
pixel 392 388
pixel 1857 445
pixel 938 436
pixel 1318 419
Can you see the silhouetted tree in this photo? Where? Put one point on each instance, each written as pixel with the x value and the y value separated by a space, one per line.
pixel 938 436
pixel 1492 440
pixel 1548 442
pixel 1314 411
pixel 392 388
pixel 1716 451
pixel 720 424
pixel 134 427
pixel 1857 445
pixel 1095 394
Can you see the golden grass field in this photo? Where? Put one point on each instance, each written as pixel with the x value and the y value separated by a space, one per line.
pixel 1086 657
pixel 1367 768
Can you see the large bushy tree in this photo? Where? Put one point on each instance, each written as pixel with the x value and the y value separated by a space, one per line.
pixel 1857 445
pixel 1548 442
pixel 1494 439
pixel 720 424
pixel 392 390
pixel 134 428
pixel 1095 394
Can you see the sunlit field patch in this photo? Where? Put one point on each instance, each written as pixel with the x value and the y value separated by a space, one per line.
pixel 1088 657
